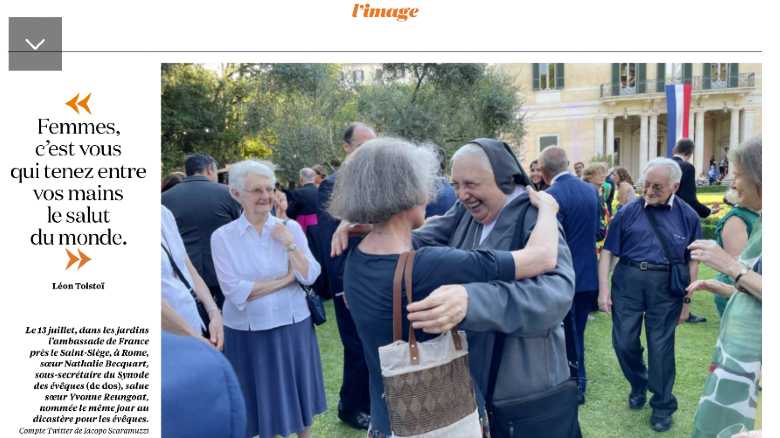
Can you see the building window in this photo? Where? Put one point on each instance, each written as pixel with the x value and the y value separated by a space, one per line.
pixel 547 140
pixel 627 78
pixel 719 75
pixel 357 76
pixel 674 73
pixel 547 76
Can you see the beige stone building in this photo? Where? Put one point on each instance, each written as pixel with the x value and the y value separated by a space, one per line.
pixel 619 109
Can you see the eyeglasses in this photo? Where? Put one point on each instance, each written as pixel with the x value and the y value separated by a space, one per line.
pixel 259 190
pixel 655 187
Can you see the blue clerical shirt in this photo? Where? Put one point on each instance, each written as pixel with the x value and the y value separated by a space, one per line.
pixel 631 236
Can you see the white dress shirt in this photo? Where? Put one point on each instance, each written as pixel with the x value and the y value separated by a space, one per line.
pixel 242 256
pixel 174 292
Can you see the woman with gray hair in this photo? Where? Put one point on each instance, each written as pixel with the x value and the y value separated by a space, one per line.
pixel 261 261
pixel 731 390
pixel 387 183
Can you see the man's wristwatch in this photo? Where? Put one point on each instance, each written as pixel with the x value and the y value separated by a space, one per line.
pixel 686 300
pixel 292 247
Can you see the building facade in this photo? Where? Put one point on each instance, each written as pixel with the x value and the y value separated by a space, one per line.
pixel 618 111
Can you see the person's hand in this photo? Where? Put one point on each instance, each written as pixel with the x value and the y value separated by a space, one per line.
pixel 684 314
pixel 542 200
pixel 712 255
pixel 605 302
pixel 281 234
pixel 216 329
pixel 440 311
pixel 749 434
pixel 713 286
pixel 340 239
pixel 715 208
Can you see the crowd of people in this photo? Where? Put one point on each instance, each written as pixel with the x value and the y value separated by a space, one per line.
pixel 518 261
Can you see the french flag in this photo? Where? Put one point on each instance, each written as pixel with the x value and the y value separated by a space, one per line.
pixel 678 104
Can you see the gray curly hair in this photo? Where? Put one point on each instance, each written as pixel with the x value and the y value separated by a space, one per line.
pixel 383 177
pixel 748 157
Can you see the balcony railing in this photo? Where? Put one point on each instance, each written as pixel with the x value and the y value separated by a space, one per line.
pixel 699 83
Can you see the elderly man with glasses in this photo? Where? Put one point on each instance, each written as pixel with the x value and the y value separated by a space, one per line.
pixel 649 236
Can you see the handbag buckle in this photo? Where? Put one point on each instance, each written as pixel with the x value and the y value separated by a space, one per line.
pixel 643 266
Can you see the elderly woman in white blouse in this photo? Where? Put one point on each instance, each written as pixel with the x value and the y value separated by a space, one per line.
pixel 269 338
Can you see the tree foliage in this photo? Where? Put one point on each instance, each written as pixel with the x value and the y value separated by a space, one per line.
pixel 294 114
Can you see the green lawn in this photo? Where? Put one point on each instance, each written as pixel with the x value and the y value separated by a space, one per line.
pixel 606 412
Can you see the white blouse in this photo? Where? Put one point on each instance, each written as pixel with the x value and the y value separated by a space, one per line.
pixel 175 293
pixel 242 256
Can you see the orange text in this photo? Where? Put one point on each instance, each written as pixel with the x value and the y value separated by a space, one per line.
pixel 400 14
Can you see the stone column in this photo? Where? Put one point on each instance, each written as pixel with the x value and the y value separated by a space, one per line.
pixel 627 151
pixel 598 128
pixel 652 141
pixel 734 128
pixel 691 132
pixel 698 155
pixel 747 123
pixel 610 146
pixel 642 141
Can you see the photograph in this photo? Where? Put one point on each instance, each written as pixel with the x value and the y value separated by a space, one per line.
pixel 461 249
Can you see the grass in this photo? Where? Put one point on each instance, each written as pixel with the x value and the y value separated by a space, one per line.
pixel 606 412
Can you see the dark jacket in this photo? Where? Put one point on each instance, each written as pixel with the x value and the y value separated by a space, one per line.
pixel 326 226
pixel 687 190
pixel 302 201
pixel 200 207
pixel 578 212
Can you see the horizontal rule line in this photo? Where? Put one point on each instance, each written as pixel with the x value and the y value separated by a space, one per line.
pixel 386 51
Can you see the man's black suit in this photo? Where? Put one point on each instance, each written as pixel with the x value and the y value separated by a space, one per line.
pixel 302 201
pixel 687 190
pixel 354 393
pixel 200 207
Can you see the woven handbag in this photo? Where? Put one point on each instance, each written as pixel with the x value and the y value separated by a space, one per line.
pixel 427 385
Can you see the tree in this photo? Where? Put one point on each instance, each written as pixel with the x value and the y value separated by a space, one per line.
pixel 446 104
pixel 295 114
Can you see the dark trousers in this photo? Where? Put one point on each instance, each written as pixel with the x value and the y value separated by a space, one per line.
pixel 354 387
pixel 638 295
pixel 574 326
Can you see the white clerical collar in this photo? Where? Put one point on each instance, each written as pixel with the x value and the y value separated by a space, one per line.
pixel 670 202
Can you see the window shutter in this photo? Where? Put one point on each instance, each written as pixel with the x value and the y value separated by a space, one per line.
pixel 687 73
pixel 559 76
pixel 660 77
pixel 615 79
pixel 706 77
pixel 535 81
pixel 641 78
pixel 733 75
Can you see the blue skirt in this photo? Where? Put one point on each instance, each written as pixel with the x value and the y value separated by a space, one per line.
pixel 280 375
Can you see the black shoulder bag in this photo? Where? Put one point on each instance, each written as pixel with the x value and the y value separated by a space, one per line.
pixel 679 275
pixel 313 301
pixel 316 308
pixel 550 413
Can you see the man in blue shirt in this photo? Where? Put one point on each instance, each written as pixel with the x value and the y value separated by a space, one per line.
pixel 579 216
pixel 641 286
